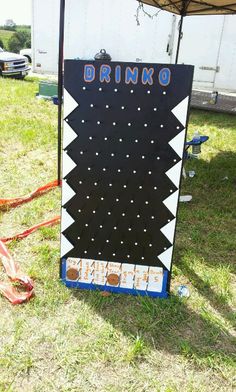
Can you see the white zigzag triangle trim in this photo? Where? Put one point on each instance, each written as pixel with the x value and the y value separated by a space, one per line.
pixel 174 173
pixel 181 110
pixel 166 257
pixel 68 135
pixel 66 246
pixel 171 202
pixel 67 192
pixel 66 219
pixel 69 103
pixel 177 143
pixel 169 230
pixel 67 165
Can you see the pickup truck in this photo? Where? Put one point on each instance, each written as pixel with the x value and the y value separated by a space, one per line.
pixel 12 64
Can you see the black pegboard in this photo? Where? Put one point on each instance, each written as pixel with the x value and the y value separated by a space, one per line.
pixel 122 154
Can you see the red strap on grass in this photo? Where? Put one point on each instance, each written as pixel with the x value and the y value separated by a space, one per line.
pixel 16 201
pixel 32 229
pixel 25 287
pixel 12 269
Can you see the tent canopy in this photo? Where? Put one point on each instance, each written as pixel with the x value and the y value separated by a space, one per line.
pixel 194 7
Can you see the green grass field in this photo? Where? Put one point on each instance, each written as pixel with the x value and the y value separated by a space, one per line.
pixel 67 340
pixel 5 35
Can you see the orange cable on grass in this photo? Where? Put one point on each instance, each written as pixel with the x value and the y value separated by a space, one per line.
pixel 26 287
pixel 32 229
pixel 16 201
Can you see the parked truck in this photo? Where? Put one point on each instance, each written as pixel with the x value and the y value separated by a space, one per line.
pixel 12 64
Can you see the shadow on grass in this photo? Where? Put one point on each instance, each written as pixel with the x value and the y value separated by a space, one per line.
pixel 210 218
pixel 172 325
pixel 206 226
pixel 218 301
pixel 208 118
pixel 168 325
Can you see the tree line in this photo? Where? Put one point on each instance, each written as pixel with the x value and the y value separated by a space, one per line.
pixel 20 38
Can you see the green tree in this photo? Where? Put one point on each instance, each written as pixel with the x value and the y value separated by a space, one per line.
pixel 10 28
pixel 19 40
pixel 28 43
pixel 14 44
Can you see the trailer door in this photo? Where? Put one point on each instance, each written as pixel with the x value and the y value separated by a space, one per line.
pixel 200 46
pixel 226 77
pixel 45 36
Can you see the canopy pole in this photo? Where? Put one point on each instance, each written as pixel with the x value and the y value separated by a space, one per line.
pixel 179 38
pixel 60 86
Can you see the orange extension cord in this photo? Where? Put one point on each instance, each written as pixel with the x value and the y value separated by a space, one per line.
pixel 23 289
pixel 16 201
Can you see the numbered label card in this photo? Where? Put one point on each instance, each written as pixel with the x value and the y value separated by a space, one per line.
pixel 123 144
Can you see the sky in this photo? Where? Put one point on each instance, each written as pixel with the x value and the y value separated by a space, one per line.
pixel 18 10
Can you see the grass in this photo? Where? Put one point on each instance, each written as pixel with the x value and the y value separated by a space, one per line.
pixel 5 35
pixel 65 340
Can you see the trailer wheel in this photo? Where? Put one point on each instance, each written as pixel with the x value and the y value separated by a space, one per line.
pixel 28 57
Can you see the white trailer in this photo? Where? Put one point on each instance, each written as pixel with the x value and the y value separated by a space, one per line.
pixel 209 42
